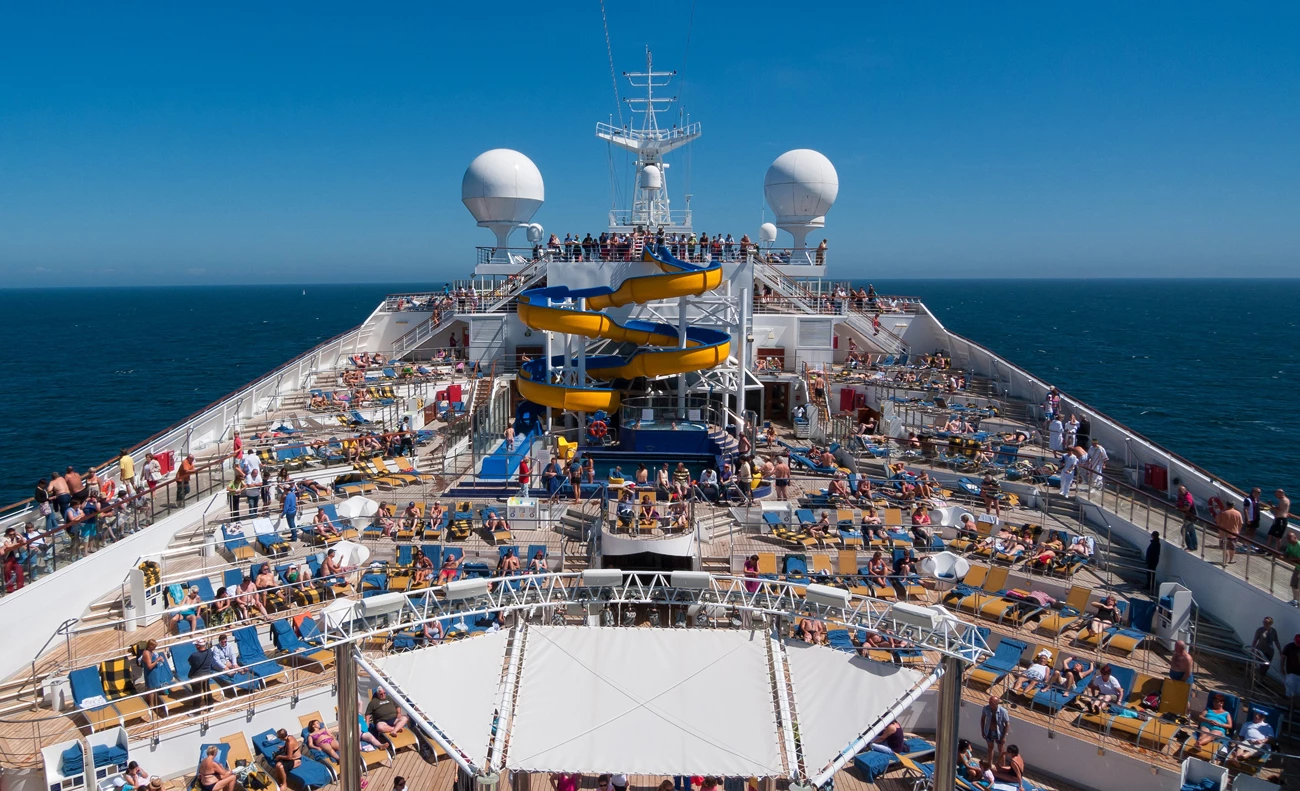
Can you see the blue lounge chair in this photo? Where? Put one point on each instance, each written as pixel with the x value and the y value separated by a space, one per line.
pixel 1056 698
pixel 86 687
pixel 1006 658
pixel 296 651
pixel 253 658
pixel 310 774
pixel 871 763
pixel 223 757
pixel 236 545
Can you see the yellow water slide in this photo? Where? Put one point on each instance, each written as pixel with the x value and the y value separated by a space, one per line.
pixel 664 354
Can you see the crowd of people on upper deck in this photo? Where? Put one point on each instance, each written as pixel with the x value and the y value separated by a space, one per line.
pixel 683 246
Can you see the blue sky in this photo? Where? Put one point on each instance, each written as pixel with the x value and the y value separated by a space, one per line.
pixel 284 142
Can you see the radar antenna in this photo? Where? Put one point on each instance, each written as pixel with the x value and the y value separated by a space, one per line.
pixel 650 204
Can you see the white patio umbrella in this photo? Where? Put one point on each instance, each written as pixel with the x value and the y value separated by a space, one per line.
pixel 350 553
pixel 355 507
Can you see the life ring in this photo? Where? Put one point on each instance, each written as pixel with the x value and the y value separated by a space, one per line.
pixel 1216 506
pixel 598 429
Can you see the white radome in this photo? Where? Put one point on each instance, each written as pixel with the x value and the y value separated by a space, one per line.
pixel 767 233
pixel 801 186
pixel 502 186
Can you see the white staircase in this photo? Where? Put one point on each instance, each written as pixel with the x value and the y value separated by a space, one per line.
pixel 497 301
pixel 884 341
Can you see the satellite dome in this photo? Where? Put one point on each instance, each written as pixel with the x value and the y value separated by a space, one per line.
pixel 767 233
pixel 801 186
pixel 502 186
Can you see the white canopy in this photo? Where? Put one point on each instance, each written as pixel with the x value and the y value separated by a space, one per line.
pixel 839 694
pixel 647 701
pixel 457 684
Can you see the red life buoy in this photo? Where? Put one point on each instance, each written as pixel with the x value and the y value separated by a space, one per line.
pixel 598 429
pixel 1216 506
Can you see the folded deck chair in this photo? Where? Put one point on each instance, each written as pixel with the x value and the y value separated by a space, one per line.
pixel 1006 658
pixel 253 658
pixel 296 652
pixel 309 775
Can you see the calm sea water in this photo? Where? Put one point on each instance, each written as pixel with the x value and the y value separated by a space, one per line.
pixel 1202 367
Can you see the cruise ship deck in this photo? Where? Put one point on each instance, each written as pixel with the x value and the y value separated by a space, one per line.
pixel 925 524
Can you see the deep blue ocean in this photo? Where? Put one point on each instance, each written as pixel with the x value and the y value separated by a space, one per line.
pixel 1200 366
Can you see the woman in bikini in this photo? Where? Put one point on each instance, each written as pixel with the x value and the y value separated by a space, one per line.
pixel 322 739
pixel 212 775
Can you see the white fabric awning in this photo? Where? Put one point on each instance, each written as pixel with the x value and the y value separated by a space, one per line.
pixel 456 684
pixel 645 701
pixel 838 695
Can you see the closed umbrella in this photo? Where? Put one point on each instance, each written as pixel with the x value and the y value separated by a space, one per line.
pixel 355 507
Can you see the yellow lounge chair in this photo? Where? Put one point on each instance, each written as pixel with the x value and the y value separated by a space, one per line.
pixel 1076 601
pixel 994 582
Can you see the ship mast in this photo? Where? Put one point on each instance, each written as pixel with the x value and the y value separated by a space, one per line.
pixel 650 204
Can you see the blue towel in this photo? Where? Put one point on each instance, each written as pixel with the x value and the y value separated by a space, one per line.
pixel 72 762
pixel 109 754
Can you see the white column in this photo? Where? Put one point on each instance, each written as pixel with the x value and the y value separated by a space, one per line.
pixel 681 344
pixel 742 346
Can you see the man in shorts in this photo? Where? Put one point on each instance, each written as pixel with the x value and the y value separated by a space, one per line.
pixel 383 714
pixel 1281 517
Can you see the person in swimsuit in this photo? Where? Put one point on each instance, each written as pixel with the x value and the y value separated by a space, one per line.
pixel 287 758
pixel 1216 722
pixel 213 776
pixel 781 477
pixel 322 739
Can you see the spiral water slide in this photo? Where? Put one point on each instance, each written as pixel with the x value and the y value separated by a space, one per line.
pixel 540 309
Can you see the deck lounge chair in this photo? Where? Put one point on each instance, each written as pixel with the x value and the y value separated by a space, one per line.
pixel 253 657
pixel 310 774
pixel 296 652
pixel 973 581
pixel 993 588
pixel 88 694
pixel 873 763
pixel 268 540
pixel 405 467
pixel 1076 601
pixel 346 531
pixel 431 531
pixel 235 543
pixel 1006 658
pixel 499 535
pixel 1056 698
pixel 1125 676
pixel 1147 728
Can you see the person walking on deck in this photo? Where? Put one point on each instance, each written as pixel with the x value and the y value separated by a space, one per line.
pixel 1281 517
